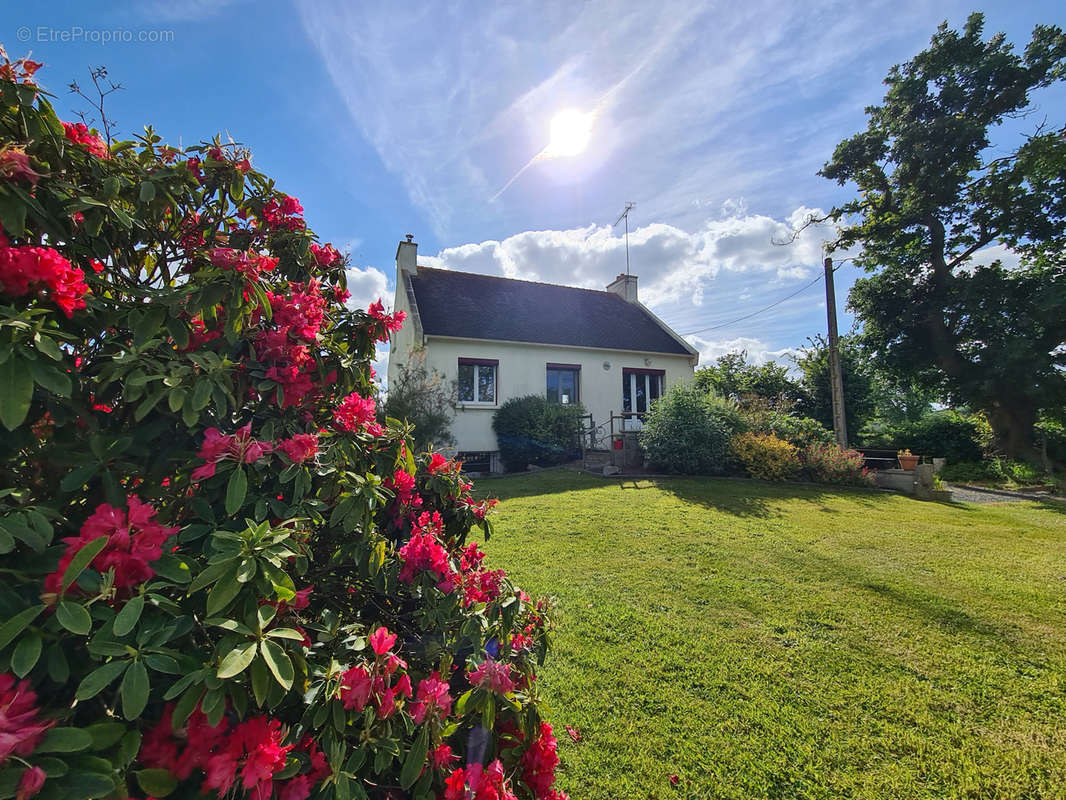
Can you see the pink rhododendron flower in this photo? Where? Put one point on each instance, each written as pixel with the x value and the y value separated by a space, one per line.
pixel 15 166
pixel 239 447
pixel 79 133
pixel 442 757
pixel 424 552
pixel 476 782
pixel 355 413
pixel 26 269
pixel 382 641
pixel 325 255
pixel 432 699
pixel 356 685
pixel 20 728
pixel 30 783
pixel 134 540
pixel 494 676
pixel 389 323
pixel 539 763
pixel 299 448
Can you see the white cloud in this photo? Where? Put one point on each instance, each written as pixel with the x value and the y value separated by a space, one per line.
pixel 1010 259
pixel 366 286
pixel 758 351
pixel 675 267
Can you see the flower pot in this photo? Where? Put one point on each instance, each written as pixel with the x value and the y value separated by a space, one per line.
pixel 908 462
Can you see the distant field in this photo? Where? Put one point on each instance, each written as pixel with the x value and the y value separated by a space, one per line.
pixel 787 641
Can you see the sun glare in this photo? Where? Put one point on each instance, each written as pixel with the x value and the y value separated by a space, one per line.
pixel 570 133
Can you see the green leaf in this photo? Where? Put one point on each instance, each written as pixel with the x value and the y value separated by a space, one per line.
pixel 147 194
pixel 156 782
pixel 99 679
pixel 236 490
pixel 81 561
pixel 286 633
pixel 16 392
pixel 488 713
pixel 173 568
pixel 222 593
pixel 48 346
pixel 48 377
pixel 14 626
pixel 201 394
pixel 236 661
pixel 210 575
pixel 127 618
pixel 134 690
pixel 77 477
pixel 278 662
pixel 106 734
pixel 74 617
pixel 26 654
pixel 416 759
pixel 65 740
pixel 260 681
pixel 150 325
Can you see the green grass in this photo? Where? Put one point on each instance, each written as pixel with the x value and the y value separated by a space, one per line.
pixel 792 641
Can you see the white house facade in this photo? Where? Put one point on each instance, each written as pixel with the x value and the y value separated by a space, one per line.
pixel 499 338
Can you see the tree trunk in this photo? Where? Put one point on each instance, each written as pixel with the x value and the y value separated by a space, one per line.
pixel 1013 426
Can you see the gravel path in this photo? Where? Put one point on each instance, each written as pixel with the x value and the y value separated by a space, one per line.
pixel 978 494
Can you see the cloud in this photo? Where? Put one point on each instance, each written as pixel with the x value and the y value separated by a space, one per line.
pixel 759 352
pixel 367 285
pixel 676 267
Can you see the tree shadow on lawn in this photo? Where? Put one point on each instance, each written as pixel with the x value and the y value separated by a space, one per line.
pixel 552 480
pixel 746 497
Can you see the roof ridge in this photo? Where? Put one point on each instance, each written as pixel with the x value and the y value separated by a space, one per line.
pixel 518 280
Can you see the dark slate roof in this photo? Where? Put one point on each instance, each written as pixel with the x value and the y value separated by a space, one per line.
pixel 472 306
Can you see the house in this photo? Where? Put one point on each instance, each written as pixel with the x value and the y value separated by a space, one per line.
pixel 499 338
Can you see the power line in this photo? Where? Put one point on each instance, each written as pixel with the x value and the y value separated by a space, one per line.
pixel 761 310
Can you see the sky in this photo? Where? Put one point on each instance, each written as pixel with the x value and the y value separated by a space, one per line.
pixel 385 119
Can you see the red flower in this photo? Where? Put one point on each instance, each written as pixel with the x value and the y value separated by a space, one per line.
pixel 356 685
pixel 494 676
pixel 30 783
pixel 382 641
pixel 388 322
pixel 20 729
pixel 424 552
pixel 439 464
pixel 326 255
pixel 575 735
pixel 15 166
pixel 355 413
pixel 432 700
pixel 300 447
pixel 134 540
pixel 78 133
pixel 239 447
pixel 539 763
pixel 26 268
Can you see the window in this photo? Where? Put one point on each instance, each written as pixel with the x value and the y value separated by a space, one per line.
pixel 564 383
pixel 477 380
pixel 640 387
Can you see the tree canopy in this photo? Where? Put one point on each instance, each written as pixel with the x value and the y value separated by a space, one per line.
pixel 933 193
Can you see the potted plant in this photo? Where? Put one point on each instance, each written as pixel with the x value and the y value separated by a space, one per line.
pixel 906 460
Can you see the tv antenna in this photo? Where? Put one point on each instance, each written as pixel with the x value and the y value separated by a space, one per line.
pixel 625 216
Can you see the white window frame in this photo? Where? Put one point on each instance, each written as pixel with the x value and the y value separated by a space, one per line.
pixel 478 365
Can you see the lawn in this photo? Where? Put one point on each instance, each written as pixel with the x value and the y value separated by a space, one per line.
pixel 790 641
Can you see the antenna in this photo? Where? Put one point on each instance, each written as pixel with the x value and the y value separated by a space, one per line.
pixel 625 216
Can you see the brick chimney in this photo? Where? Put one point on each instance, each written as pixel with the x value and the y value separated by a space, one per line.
pixel 406 257
pixel 625 286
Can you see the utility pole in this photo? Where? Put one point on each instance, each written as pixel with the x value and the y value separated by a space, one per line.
pixel 836 381
pixel 625 215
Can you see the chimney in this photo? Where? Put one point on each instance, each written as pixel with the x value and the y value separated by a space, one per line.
pixel 407 256
pixel 625 286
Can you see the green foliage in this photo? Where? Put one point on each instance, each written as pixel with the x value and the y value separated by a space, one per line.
pixel 994 471
pixel 934 189
pixel 765 456
pixel 800 431
pixel 829 463
pixel 202 528
pixel 688 431
pixel 731 376
pixel 946 434
pixel 423 398
pixel 816 400
pixel 531 430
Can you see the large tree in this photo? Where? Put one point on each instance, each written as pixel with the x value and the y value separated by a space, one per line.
pixel 933 194
pixel 733 376
pixel 816 399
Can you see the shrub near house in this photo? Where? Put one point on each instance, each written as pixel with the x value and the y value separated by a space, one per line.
pixel 221 574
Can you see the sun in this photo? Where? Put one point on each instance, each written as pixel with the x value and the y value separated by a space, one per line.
pixel 570 133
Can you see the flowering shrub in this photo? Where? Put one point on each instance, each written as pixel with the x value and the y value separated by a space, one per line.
pixel 765 456
pixel 829 463
pixel 223 575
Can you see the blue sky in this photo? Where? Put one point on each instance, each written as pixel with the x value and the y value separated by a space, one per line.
pixel 386 119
